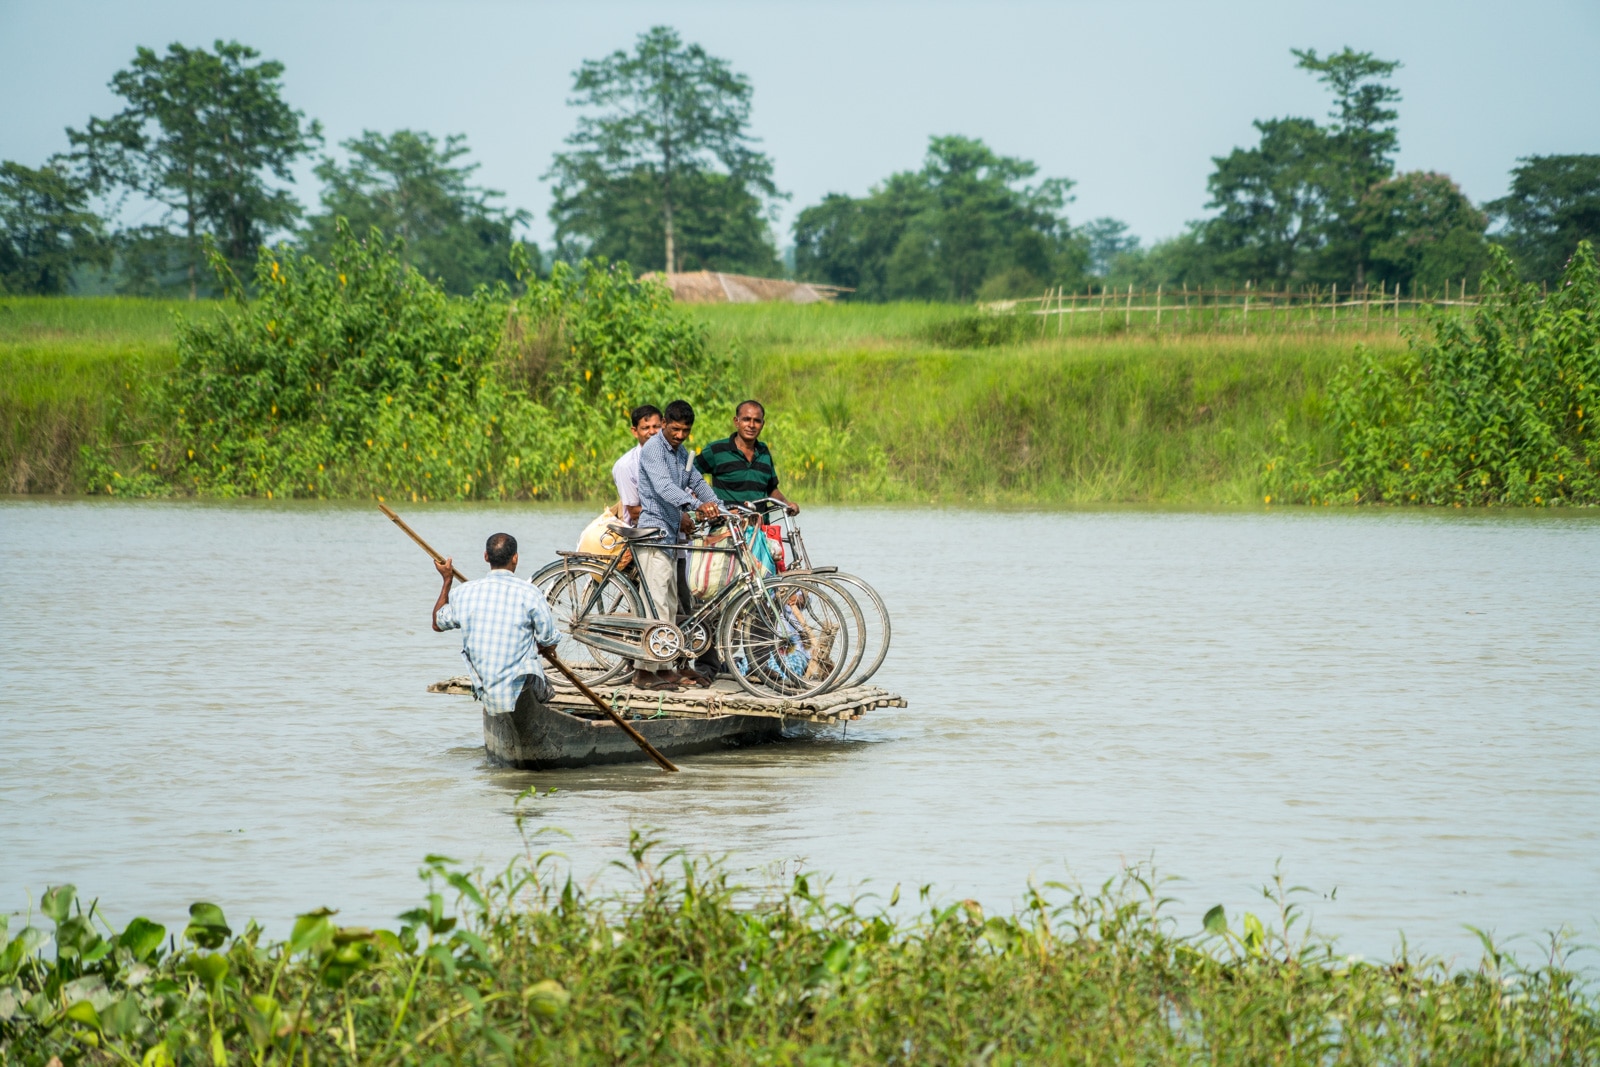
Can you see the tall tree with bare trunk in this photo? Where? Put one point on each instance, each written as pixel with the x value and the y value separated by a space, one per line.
pixel 665 134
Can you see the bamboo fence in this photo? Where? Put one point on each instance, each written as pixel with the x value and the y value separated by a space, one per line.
pixel 1185 309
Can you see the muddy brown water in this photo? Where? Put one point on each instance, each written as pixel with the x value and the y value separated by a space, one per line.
pixel 226 702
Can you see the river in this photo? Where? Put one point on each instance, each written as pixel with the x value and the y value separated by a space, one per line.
pixel 1400 710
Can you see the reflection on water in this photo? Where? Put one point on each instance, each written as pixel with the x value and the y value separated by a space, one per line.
pixel 226 702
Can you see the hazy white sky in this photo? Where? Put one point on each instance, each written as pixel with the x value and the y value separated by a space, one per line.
pixel 1130 99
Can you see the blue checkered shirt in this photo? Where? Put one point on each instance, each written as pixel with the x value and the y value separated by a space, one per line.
pixel 503 619
pixel 669 485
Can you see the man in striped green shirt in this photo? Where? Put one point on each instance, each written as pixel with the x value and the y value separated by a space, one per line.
pixel 740 466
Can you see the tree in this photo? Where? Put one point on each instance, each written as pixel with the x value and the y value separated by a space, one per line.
pixel 1359 148
pixel 964 226
pixel 1107 240
pixel 668 152
pixel 411 186
pixel 850 242
pixel 1271 203
pixel 200 135
pixel 718 223
pixel 1420 229
pixel 46 229
pixel 1286 209
pixel 1553 204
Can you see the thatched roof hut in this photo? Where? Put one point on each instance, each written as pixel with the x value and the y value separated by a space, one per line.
pixel 715 287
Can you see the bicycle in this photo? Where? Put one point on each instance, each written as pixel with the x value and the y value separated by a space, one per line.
pixel 775 635
pixel 877 632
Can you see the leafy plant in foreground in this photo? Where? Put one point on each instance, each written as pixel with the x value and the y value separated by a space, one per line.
pixel 1496 410
pixel 686 967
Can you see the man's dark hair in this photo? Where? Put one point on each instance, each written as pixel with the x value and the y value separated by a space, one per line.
pixel 499 549
pixel 642 412
pixel 758 405
pixel 679 411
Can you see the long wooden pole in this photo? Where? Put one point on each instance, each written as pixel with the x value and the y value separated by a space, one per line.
pixel 548 653
pixel 409 532
pixel 638 738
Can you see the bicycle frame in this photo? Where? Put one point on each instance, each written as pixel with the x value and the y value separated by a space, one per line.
pixel 628 635
pixel 774 512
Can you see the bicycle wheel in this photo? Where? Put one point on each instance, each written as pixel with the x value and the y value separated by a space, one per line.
pixel 569 590
pixel 877 631
pixel 784 639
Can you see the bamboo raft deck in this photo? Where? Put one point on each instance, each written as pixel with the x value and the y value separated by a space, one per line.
pixel 723 698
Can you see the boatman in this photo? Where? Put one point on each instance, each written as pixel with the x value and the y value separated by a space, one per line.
pixel 646 423
pixel 740 466
pixel 669 490
pixel 504 623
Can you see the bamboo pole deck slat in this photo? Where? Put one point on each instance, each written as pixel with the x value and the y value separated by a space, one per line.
pixel 841 705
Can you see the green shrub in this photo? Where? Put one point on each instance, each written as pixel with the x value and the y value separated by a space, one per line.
pixel 615 342
pixel 982 329
pixel 1496 410
pixel 360 377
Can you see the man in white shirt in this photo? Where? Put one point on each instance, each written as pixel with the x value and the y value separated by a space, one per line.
pixel 646 420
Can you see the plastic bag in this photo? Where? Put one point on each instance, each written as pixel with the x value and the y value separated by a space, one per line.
pixel 710 572
pixel 597 537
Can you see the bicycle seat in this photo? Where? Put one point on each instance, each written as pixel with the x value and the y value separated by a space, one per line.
pixel 630 533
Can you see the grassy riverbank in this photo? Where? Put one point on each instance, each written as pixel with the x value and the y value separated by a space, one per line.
pixel 67 366
pixel 687 968
pixel 868 402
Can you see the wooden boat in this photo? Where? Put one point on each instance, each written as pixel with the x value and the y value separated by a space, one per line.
pixel 568 731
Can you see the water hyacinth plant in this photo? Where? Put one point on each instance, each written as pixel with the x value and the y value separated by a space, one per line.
pixel 686 967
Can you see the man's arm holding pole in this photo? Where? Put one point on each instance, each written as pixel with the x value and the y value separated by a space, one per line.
pixel 447 571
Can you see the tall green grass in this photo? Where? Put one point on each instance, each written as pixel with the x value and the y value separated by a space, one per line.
pixel 111 320
pixel 1133 420
pixel 866 402
pixel 821 327
pixel 918 402
pixel 68 366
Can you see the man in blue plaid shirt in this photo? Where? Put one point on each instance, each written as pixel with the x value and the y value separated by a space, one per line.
pixel 504 622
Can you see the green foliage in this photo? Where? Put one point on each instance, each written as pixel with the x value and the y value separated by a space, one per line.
pixel 1500 410
pixel 1040 423
pixel 1553 204
pixel 685 966
pixel 1420 229
pixel 1319 203
pixel 360 377
pixel 1108 240
pixel 46 229
pixel 1271 203
pixel 980 329
pixel 200 133
pixel 411 186
pixel 618 343
pixel 863 402
pixel 75 370
pixel 663 171
pixel 153 262
pixel 961 227
pixel 718 222
pixel 1357 152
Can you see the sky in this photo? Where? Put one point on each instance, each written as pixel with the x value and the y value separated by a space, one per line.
pixel 1129 99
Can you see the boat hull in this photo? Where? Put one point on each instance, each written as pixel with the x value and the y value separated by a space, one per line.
pixel 536 736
